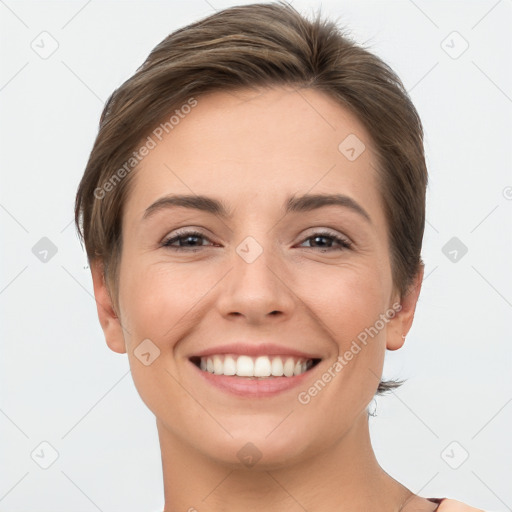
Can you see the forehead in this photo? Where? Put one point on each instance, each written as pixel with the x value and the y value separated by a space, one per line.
pixel 264 144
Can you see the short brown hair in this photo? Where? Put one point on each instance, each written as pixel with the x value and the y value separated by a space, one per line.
pixel 252 46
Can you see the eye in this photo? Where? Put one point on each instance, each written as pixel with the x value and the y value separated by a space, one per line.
pixel 325 235
pixel 188 236
pixel 187 241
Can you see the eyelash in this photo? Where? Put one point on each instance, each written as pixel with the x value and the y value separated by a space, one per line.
pixel 345 244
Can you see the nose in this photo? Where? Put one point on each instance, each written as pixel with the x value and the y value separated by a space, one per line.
pixel 257 288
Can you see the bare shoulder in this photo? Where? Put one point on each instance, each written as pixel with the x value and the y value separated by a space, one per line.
pixel 448 505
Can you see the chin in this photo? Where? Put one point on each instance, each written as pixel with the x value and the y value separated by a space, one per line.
pixel 256 449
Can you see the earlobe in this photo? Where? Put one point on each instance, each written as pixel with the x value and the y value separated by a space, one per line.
pixel 107 316
pixel 401 323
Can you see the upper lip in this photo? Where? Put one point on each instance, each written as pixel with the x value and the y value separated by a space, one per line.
pixel 253 349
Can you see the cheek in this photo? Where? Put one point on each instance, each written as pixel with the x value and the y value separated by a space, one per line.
pixel 349 304
pixel 157 306
pixel 153 301
pixel 165 302
pixel 347 300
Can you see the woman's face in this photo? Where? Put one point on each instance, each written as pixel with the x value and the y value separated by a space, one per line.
pixel 261 275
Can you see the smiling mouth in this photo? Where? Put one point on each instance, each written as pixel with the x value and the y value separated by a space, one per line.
pixel 260 367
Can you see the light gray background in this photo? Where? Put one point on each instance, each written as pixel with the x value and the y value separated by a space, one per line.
pixel 59 381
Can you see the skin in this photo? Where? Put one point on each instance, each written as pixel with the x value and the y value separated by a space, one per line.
pixel 252 150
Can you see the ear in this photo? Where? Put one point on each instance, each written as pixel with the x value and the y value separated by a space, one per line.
pixel 108 318
pixel 400 324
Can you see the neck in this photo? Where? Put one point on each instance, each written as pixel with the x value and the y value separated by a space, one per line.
pixel 344 478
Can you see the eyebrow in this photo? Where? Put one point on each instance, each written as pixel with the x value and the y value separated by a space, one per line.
pixel 294 204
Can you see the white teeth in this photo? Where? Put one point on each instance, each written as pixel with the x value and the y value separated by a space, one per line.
pixel 277 367
pixel 297 370
pixel 229 366
pixel 262 367
pixel 259 367
pixel 218 367
pixel 245 367
pixel 288 367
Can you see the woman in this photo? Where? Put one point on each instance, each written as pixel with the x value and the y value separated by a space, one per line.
pixel 253 212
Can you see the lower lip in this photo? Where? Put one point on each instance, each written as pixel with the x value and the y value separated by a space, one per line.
pixel 254 388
